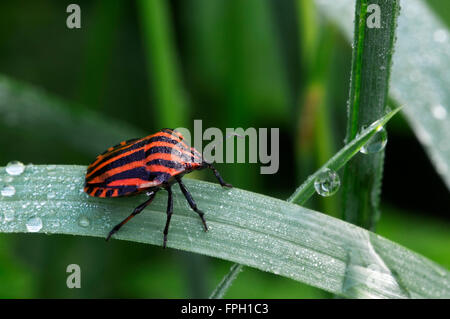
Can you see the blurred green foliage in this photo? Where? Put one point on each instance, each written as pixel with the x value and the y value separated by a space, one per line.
pixel 231 64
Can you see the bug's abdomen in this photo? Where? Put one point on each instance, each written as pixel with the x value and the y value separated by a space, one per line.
pixel 119 173
pixel 135 165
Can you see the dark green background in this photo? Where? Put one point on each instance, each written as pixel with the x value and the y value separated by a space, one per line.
pixel 238 64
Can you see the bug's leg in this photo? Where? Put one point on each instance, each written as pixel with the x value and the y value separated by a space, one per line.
pixel 192 202
pixel 219 178
pixel 136 211
pixel 169 214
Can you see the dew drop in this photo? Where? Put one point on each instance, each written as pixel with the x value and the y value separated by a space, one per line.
pixel 34 224
pixel 84 222
pixel 327 182
pixel 8 191
pixel 439 112
pixel 9 215
pixel 15 168
pixel 376 143
pixel 51 195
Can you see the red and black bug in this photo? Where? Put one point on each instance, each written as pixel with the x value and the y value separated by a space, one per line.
pixel 146 164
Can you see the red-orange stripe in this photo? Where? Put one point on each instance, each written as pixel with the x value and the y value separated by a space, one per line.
pixel 113 160
pixel 128 182
pixel 114 171
pixel 173 137
pixel 163 169
pixel 114 150
pixel 164 156
pixel 169 145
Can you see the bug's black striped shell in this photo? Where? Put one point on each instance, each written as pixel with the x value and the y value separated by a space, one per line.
pixel 135 165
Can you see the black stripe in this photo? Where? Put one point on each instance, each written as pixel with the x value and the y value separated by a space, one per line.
pixel 109 193
pixel 168 150
pixel 134 157
pixel 152 176
pixel 166 163
pixel 116 153
pixel 126 190
pixel 98 192
pixel 167 140
pixel 89 189
pixel 137 172
pixel 159 149
pixel 129 189
pixel 167 130
pixel 136 146
pixel 172 132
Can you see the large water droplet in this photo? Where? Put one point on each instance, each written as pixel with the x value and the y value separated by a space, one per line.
pixel 9 215
pixel 8 191
pixel 439 112
pixel 84 222
pixel 15 168
pixel 376 143
pixel 327 182
pixel 34 224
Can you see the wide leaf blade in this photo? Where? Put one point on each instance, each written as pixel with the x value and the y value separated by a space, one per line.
pixel 248 228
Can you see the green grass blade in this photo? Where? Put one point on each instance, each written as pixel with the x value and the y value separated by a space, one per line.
pixel 248 228
pixel 226 282
pixel 162 63
pixel 371 64
pixel 419 77
pixel 107 18
pixel 306 190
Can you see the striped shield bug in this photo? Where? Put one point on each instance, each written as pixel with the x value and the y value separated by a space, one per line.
pixel 147 165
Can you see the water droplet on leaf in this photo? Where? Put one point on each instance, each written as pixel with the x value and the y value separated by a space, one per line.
pixel 15 168
pixel 9 215
pixel 327 182
pixel 439 112
pixel 84 222
pixel 376 143
pixel 8 191
pixel 51 195
pixel 34 224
